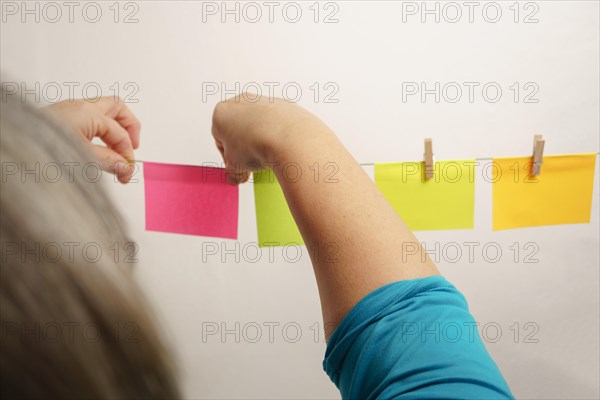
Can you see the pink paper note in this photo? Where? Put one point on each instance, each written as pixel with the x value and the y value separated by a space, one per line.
pixel 190 200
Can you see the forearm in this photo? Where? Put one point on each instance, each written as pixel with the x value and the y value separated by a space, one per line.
pixel 356 240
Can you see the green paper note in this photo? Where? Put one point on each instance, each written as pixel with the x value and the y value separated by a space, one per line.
pixel 447 201
pixel 274 221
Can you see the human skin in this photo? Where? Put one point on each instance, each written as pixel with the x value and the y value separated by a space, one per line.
pixel 356 241
pixel 109 119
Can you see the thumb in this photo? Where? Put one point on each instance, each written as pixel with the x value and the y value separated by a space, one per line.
pixel 235 177
pixel 237 173
pixel 113 162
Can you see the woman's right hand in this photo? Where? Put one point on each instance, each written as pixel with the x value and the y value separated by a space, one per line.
pixel 250 130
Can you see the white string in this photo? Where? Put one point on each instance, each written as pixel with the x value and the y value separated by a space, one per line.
pixel 372 164
pixel 476 159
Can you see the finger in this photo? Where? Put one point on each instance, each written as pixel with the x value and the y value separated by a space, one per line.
pixel 115 108
pixel 244 178
pixel 132 125
pixel 115 137
pixel 234 174
pixel 215 132
pixel 113 162
pixel 220 148
pixel 235 178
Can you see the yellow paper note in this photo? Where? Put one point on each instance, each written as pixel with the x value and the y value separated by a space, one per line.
pixel 444 202
pixel 561 194
pixel 274 221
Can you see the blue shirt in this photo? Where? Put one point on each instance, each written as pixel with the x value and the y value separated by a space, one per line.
pixel 412 339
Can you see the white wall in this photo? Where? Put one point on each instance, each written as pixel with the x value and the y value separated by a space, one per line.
pixel 170 53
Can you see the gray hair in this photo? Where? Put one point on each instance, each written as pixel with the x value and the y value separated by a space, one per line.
pixel 52 291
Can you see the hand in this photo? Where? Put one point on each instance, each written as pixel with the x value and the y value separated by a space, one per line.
pixel 110 120
pixel 248 133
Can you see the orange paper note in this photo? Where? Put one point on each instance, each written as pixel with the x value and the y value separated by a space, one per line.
pixel 561 194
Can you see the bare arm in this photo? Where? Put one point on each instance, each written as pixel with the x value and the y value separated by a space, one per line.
pixel 349 215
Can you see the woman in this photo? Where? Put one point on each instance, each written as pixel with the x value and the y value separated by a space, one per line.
pixel 378 301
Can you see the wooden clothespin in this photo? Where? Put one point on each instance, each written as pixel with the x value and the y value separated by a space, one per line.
pixel 538 154
pixel 429 159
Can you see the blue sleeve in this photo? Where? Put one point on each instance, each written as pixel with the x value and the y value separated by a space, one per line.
pixel 412 339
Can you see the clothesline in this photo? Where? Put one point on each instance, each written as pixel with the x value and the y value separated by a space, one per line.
pixel 370 164
pixel 476 159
